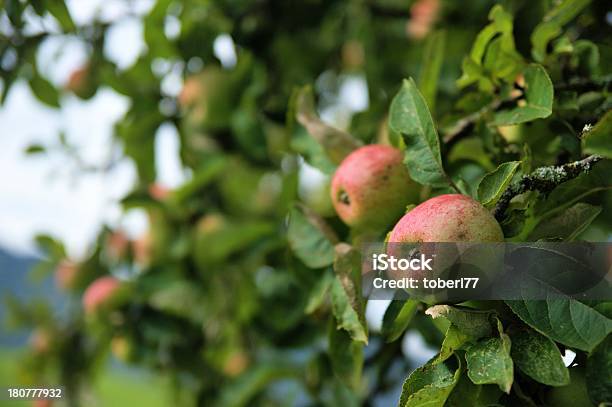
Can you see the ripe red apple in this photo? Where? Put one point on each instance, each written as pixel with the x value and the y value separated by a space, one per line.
pixel 372 187
pixel 448 218
pixel 442 220
pixel 100 293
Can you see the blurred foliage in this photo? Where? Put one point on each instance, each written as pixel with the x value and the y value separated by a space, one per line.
pixel 242 293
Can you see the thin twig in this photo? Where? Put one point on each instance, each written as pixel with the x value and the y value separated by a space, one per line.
pixel 544 179
pixel 462 127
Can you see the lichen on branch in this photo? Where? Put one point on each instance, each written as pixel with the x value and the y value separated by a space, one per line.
pixel 544 180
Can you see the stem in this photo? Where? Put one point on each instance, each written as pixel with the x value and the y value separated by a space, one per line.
pixel 463 126
pixel 453 185
pixel 543 179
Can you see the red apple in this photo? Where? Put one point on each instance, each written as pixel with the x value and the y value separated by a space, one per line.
pixel 66 275
pixel 372 187
pixel 448 218
pixel 100 293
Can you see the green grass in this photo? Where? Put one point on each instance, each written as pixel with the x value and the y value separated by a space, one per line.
pixel 116 387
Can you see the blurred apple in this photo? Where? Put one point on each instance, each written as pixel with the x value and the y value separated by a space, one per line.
pixel 100 294
pixel 159 192
pixel 142 249
pixel 80 82
pixel 66 275
pixel 235 364
pixel 117 245
pixel 423 15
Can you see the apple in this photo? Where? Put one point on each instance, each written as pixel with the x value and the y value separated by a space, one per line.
pixel 158 191
pixel 371 187
pixel 448 218
pixel 66 275
pixel 445 219
pixel 142 249
pixel 117 246
pixel 80 83
pixel 100 294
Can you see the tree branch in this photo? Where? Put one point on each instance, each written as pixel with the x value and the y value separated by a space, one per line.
pixel 543 179
pixel 584 84
pixel 463 125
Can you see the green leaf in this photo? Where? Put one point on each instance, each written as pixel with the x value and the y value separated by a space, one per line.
pixel 493 54
pixel 156 40
pixel 495 183
pixel 489 362
pixel 599 139
pixel 473 323
pixel 397 318
pixel 51 247
pixel 599 373
pixel 539 358
pixel 567 321
pixel 501 60
pixel 568 225
pixel 44 90
pixel 35 149
pixel 319 293
pixel 410 117
pixel 501 23
pixel 586 59
pixel 346 356
pixel 473 72
pixel 240 392
pixel 58 9
pixel 433 56
pixel 453 340
pixel 314 154
pixel 429 385
pixel 347 300
pixel 310 238
pixel 550 27
pixel 467 393
pixel 538 99
pixel 211 168
pixel 336 143
pixel 180 298
pixel 572 395
pixel 218 240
